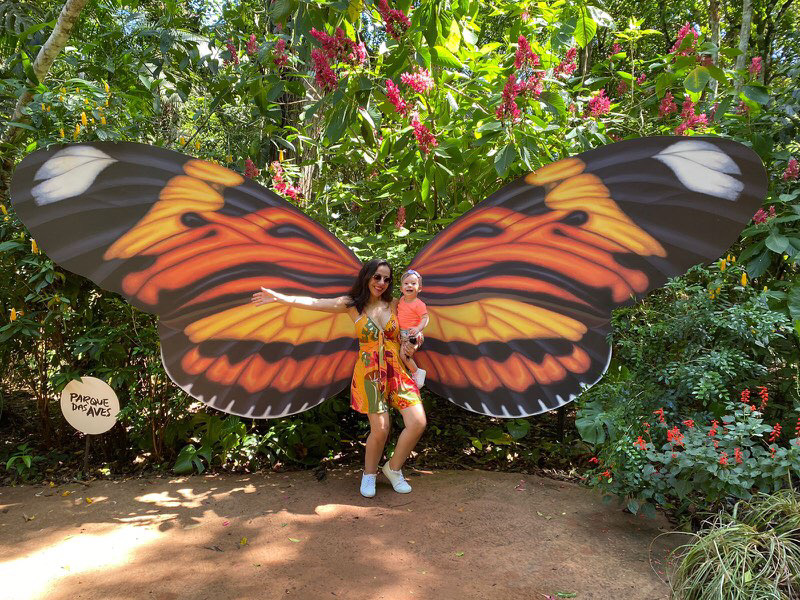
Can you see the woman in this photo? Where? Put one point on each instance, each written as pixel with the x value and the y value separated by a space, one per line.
pixel 380 379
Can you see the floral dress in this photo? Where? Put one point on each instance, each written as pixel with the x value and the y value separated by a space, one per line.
pixel 380 379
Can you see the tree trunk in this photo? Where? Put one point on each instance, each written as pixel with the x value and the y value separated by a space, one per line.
pixel 713 13
pixel 744 35
pixel 44 60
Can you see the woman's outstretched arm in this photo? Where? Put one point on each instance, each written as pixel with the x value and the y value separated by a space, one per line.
pixel 333 305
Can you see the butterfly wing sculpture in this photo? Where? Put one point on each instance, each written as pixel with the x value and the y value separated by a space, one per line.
pixel 519 289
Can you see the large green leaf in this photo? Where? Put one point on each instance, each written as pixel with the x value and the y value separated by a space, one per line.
pixel 697 79
pixel 756 93
pixel 777 242
pixel 444 58
pixel 793 301
pixel 504 159
pixel 585 28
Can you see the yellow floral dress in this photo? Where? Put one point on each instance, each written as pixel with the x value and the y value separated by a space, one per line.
pixel 380 378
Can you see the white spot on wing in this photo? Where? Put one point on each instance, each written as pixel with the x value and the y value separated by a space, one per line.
pixel 68 173
pixel 703 167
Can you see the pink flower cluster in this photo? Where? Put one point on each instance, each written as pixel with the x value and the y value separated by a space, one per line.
pixel 684 31
pixel 622 87
pixel 599 104
pixel 691 120
pixel 641 79
pixel 525 56
pixel 568 65
pixel 425 139
pixel 280 58
pixel 323 74
pixel 508 109
pixel 615 48
pixel 400 221
pixel 667 105
pixel 397 22
pixel 742 108
pixel 252 45
pixel 393 94
pixel 420 80
pixel 280 184
pixel 755 66
pixel 250 169
pixel 792 170
pixel 234 59
pixel 339 47
pixel 762 216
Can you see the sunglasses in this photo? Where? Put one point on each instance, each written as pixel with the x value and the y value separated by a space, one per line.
pixel 380 278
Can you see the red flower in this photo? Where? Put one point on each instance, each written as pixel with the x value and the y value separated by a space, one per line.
pixel 615 48
pixel 525 56
pixel 594 460
pixel 508 108
pixel 233 52
pixel 622 87
pixel 606 473
pixel 324 75
pixel 713 431
pixel 568 65
pixel 393 93
pixel 763 392
pixel 684 31
pixel 641 78
pixel 640 443
pixel 401 218
pixel 250 169
pixel 425 139
pixel 252 45
pixel 689 423
pixel 667 105
pixel 660 413
pixel 792 170
pixel 397 22
pixel 599 104
pixel 280 59
pixel 737 455
pixel 760 216
pixel 755 66
pixel 723 459
pixel 775 433
pixel 675 436
pixel 691 120
pixel 421 80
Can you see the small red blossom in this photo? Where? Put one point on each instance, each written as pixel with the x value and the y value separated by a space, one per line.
pixel 397 22
pixel 755 66
pixel 234 59
pixel 250 169
pixel 508 109
pixel 745 398
pixel 763 393
pixel 772 450
pixel 425 139
pixel 714 427
pixel 568 65
pixel 525 56
pixel 667 105
pixel 279 58
pixel 252 45
pixel 675 436
pixel 775 433
pixel 622 87
pixel 640 443
pixel 792 170
pixel 691 120
pixel 420 81
pixel 737 456
pixel 660 413
pixel 324 75
pixel 705 60
pixel 689 423
pixel 606 473
pixel 393 93
pixel 761 216
pixel 723 459
pixel 616 48
pixel 599 104
pixel 641 79
pixel 797 428
pixel 646 425
pixel 742 108
pixel 594 460
pixel 684 31
pixel 400 221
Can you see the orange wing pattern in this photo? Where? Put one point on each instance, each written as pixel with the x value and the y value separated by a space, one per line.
pixel 521 288
pixel 190 241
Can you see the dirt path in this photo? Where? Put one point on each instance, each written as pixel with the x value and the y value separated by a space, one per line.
pixel 460 534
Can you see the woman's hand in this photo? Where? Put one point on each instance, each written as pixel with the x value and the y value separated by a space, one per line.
pixel 265 296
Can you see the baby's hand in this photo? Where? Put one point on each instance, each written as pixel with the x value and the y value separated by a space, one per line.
pixel 413 332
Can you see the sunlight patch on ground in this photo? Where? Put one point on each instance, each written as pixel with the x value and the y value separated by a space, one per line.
pixel 37 574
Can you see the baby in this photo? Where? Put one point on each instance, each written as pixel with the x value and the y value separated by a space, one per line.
pixel 412 314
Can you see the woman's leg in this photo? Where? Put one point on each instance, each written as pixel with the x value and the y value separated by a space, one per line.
pixel 376 440
pixel 414 421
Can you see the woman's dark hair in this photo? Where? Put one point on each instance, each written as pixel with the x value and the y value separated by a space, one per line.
pixel 360 290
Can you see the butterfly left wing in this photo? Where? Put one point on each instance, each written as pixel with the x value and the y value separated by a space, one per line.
pixel 520 289
pixel 190 241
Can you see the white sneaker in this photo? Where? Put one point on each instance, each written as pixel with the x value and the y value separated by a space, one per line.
pixel 397 480
pixel 368 485
pixel 419 377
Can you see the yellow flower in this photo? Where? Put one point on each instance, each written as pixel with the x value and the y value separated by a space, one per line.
pixel 733 259
pixel 785 257
pixel 84 120
pixel 106 102
pixel 43 108
pixel 744 278
pixel 3 209
pixel 93 121
pixel 197 144
pixel 13 314
pixel 765 288
pixel 48 108
pixel 61 132
pixel 280 155
pixel 722 264
pixel 105 85
pixel 34 246
pixel 63 90
pixel 61 98
pixel 229 158
pixel 77 91
pixel 103 120
pixel 86 101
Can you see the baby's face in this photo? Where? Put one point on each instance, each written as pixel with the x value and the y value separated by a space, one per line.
pixel 411 286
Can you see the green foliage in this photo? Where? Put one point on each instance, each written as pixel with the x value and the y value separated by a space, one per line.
pixel 753 553
pixel 23 462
